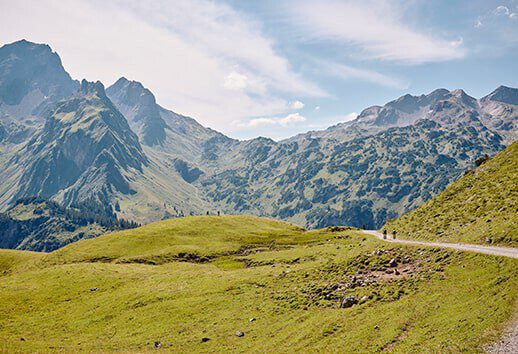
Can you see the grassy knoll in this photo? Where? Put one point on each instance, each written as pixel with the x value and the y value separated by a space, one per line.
pixel 481 207
pixel 178 281
pixel 11 260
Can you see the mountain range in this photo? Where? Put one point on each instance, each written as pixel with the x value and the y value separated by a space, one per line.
pixel 72 142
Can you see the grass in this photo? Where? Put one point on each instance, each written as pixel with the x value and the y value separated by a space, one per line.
pixel 11 260
pixel 478 208
pixel 128 290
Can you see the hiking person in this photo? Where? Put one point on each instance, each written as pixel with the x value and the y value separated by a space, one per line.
pixel 384 234
pixel 207 212
pixel 394 234
pixel 218 213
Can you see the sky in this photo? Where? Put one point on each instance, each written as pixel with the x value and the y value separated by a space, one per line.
pixel 276 68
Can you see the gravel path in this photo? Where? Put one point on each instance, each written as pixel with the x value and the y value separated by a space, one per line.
pixel 509 341
pixel 496 251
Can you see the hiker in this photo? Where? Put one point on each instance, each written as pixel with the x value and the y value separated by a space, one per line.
pixel 394 234
pixel 207 213
pixel 385 234
pixel 218 213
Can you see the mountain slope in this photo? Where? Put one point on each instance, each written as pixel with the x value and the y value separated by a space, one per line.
pixel 284 288
pixel 139 107
pixel 165 131
pixel 478 208
pixel 358 182
pixel 85 150
pixel 500 112
pixel 42 225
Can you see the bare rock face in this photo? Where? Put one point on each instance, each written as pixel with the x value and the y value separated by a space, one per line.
pixel 139 107
pixel 32 81
pixel 500 112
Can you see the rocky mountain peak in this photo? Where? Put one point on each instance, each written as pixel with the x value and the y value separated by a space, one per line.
pixel 26 67
pixel 131 93
pixel 139 106
pixel 92 88
pixel 462 97
pixel 437 94
pixel 32 81
pixel 503 94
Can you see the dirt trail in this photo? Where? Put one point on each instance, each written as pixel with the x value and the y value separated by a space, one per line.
pixel 509 341
pixel 493 250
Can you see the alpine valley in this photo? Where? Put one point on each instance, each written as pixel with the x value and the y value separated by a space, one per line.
pixel 66 143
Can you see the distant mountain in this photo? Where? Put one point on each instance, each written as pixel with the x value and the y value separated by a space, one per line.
pixel 161 129
pixel 32 80
pixel 140 109
pixel 500 112
pixel 362 181
pixel 480 207
pixel 497 110
pixel 85 150
pixel 78 142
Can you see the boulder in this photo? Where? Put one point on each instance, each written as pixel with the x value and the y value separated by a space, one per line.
pixel 348 301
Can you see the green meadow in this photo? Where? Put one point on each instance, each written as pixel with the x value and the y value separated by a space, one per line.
pixel 190 284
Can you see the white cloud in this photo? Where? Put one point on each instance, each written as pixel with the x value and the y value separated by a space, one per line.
pixel 317 108
pixel 297 105
pixel 347 72
pixel 235 81
pixel 189 53
pixel 350 116
pixel 290 119
pixel 501 10
pixel 375 27
pixel 492 16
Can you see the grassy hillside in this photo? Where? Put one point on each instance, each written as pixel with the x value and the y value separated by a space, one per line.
pixel 172 283
pixel 11 260
pixel 479 208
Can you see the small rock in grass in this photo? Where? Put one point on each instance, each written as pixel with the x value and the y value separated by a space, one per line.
pixel 158 345
pixel 252 319
pixel 240 334
pixel 205 339
pixel 22 339
pixel 376 327
pixel 364 299
pixel 393 263
pixel 348 301
pixel 396 272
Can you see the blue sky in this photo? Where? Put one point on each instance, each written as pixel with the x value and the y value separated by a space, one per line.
pixel 277 68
